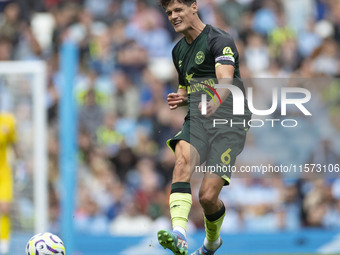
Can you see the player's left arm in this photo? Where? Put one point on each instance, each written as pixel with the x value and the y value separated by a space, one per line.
pixel 224 74
pixel 224 50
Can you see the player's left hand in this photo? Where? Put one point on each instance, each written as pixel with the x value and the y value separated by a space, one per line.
pixel 211 108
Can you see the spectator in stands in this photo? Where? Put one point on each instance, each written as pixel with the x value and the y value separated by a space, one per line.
pixel 125 98
pixel 5 49
pixel 90 114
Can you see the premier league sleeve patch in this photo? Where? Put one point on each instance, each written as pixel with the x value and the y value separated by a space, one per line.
pixel 227 55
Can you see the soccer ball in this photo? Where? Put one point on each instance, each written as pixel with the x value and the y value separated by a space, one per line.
pixel 45 244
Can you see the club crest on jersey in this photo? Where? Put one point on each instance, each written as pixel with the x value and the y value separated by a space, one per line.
pixel 199 57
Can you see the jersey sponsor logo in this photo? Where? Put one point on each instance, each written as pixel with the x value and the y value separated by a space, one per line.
pixel 202 85
pixel 227 52
pixel 207 91
pixel 227 58
pixel 199 57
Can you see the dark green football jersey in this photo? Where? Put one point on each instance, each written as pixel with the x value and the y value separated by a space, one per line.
pixel 196 63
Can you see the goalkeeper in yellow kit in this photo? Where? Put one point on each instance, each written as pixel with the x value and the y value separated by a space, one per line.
pixel 7 140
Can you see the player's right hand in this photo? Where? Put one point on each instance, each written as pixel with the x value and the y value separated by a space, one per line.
pixel 175 100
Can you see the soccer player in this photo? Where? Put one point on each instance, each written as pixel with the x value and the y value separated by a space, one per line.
pixel 7 139
pixel 207 54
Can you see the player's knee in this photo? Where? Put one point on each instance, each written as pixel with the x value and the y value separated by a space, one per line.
pixel 207 199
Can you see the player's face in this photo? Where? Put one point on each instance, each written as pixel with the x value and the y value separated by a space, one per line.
pixel 180 15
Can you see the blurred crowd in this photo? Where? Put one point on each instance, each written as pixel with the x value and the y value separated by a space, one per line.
pixel 125 73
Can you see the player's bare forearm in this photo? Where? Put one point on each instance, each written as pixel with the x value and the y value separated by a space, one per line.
pixel 223 94
pixel 224 74
pixel 178 99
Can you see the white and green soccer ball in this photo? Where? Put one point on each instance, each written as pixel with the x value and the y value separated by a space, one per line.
pixel 45 244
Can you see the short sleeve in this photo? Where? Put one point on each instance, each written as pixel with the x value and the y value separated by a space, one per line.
pixel 223 48
pixel 181 80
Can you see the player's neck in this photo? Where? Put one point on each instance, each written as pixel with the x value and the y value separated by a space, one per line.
pixel 195 30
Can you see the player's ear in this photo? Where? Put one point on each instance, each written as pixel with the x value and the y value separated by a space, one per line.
pixel 194 7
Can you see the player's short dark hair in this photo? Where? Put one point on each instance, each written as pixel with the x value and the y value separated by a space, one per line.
pixel 165 3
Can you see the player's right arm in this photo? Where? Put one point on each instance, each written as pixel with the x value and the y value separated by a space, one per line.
pixel 178 99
